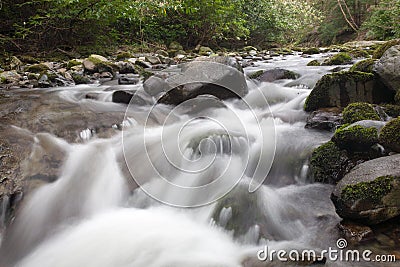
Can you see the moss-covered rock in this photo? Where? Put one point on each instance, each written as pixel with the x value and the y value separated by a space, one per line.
pixel 355 138
pixel 97 63
pixel 36 68
pixel 370 192
pixel 311 51
pixel 341 58
pixel 73 63
pixel 359 53
pixel 382 49
pixel 392 110
pixel 390 135
pixel 359 111
pixel 314 63
pixel 205 51
pixel 364 65
pixel 329 163
pixel 273 75
pixel 124 55
pixel 175 46
pixel 144 73
pixel 256 74
pixel 80 78
pixel 342 88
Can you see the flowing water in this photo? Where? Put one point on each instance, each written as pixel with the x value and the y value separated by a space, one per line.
pixel 94 214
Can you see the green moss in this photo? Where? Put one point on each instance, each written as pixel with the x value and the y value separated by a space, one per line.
pixel 36 68
pixel 392 110
pixel 28 59
pixel 390 135
pixel 319 96
pixel 311 51
pixel 205 51
pixel 3 80
pixel 80 79
pixel 328 163
pixel 256 74
pixel 124 55
pixel 314 63
pixel 73 63
pixel 358 53
pixel 359 111
pixel 341 58
pixel 369 191
pixel 355 138
pixel 382 49
pixel 364 65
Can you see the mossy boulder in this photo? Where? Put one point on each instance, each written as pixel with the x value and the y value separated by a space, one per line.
pixel 358 53
pixel 341 58
pixel 329 163
pixel 36 68
pixel 80 78
pixel 370 192
pixel 382 49
pixel 390 135
pixel 124 55
pixel 311 51
pixel 273 75
pixel 342 88
pixel 73 63
pixel 365 65
pixel 205 51
pixel 175 46
pixel 97 63
pixel 314 63
pixel 359 111
pixel 355 137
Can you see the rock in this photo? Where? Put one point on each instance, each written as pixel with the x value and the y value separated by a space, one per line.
pixel 163 53
pixel 218 76
pixel 370 192
pixel 128 80
pixel 337 69
pixel 355 138
pixel 391 110
pixel 273 75
pixel 200 105
pixel 125 67
pixel 143 64
pixel 390 135
pixel 15 63
pixel 10 77
pixel 80 78
pixel 342 88
pixel 97 63
pixel 356 233
pixel 44 81
pixel 311 51
pixel 205 51
pixel 124 55
pixel 36 68
pixel 126 97
pixel 155 86
pixel 384 47
pixel 329 163
pixel 153 60
pixel 314 63
pixel 324 120
pixel 89 66
pixel 73 63
pixel 338 59
pixel 364 65
pixel 106 75
pixel 175 46
pixel 359 111
pixel 359 53
pixel 388 68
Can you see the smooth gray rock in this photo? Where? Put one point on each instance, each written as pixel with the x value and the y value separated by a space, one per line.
pixel 388 68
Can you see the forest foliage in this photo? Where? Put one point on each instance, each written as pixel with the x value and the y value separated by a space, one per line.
pixel 46 24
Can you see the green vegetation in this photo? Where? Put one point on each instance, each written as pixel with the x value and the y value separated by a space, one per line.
pixel 355 138
pixel 382 49
pixel 364 65
pixel 339 59
pixel 36 68
pixel 73 63
pixel 359 111
pixel 390 135
pixel 369 191
pixel 328 163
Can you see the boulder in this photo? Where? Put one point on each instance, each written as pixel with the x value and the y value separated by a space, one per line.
pixel 314 63
pixel 221 77
pixel 205 51
pixel 342 88
pixel 128 80
pixel 324 120
pixel 97 63
pixel 384 47
pixel 128 97
pixel 342 58
pixel 390 135
pixel 273 75
pixel 365 65
pixel 355 137
pixel 36 68
pixel 329 163
pixel 359 111
pixel 370 192
pixel 155 85
pixel 388 68
pixel 125 67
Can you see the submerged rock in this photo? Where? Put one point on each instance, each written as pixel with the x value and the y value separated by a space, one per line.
pixel 325 119
pixel 370 192
pixel 342 88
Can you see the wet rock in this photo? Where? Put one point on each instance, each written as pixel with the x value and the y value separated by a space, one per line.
pixel 370 192
pixel 273 75
pixel 329 163
pixel 356 233
pixel 325 119
pixel 143 64
pixel 97 63
pixel 80 78
pixel 311 51
pixel 384 47
pixel 314 63
pixel 44 81
pixel 355 138
pixel 128 97
pixel 390 135
pixel 388 68
pixel 153 60
pixel 359 111
pixel 338 59
pixel 364 65
pixel 218 76
pixel 125 67
pixel 128 80
pixel 155 86
pixel 343 88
